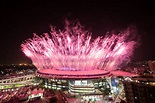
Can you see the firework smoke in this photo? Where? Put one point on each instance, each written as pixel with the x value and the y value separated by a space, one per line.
pixel 74 49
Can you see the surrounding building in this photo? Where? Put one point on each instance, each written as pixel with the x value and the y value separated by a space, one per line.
pixel 140 90
pixel 151 65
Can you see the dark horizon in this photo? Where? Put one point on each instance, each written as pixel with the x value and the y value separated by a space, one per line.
pixel 21 20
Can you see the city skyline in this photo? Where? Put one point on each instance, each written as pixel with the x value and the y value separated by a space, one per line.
pixel 20 21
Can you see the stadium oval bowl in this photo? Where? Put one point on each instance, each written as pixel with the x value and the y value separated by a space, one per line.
pixel 64 74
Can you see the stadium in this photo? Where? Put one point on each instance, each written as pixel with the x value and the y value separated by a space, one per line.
pixel 72 60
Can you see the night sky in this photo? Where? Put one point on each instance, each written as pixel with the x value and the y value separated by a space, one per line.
pixel 19 20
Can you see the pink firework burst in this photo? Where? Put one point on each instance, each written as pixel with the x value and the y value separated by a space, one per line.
pixel 74 49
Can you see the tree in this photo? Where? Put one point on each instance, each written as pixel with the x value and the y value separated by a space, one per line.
pixel 53 100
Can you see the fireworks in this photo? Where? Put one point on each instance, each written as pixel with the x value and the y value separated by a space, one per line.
pixel 74 49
